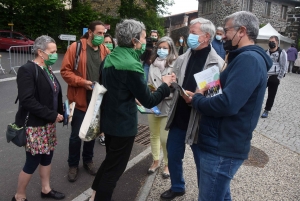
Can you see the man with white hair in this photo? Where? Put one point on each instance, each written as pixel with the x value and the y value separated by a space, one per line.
pixel 217 42
pixel 183 120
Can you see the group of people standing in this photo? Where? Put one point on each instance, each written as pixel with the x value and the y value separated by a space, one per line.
pixel 218 129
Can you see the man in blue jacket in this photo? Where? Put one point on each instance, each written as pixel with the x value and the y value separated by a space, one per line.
pixel 217 42
pixel 228 119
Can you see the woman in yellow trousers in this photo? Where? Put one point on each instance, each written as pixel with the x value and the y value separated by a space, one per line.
pixel 163 59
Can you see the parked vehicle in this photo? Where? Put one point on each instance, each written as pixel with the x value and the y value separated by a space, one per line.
pixel 12 38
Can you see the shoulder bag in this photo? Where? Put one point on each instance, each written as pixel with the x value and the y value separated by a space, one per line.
pixel 14 133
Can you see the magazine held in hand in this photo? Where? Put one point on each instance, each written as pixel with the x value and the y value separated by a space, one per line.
pixel 144 110
pixel 179 88
pixel 211 77
pixel 68 113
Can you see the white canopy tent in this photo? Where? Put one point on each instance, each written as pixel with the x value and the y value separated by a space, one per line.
pixel 266 32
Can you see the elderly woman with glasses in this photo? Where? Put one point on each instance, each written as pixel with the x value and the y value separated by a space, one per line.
pixel 40 101
pixel 123 77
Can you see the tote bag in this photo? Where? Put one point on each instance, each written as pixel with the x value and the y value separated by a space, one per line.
pixel 90 127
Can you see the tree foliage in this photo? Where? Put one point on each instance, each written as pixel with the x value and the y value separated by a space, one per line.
pixel 34 18
pixel 149 13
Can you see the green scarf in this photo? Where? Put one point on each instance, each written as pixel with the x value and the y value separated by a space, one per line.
pixel 124 58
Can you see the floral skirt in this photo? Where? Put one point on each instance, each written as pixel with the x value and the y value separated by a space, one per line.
pixel 41 139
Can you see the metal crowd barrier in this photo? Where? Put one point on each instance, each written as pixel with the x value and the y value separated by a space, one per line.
pixel 1 68
pixel 19 55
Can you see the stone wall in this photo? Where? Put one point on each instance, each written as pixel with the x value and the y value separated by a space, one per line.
pixel 220 9
pixel 223 8
pixel 275 14
pixel 110 7
pixel 293 25
pixel 106 7
pixel 183 31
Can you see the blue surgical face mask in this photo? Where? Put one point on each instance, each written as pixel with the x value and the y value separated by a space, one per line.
pixel 180 40
pixel 193 42
pixel 162 53
pixel 218 37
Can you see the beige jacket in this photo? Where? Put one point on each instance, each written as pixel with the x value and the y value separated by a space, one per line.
pixel 154 78
pixel 179 69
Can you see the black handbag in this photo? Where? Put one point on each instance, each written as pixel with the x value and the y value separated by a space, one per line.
pixel 16 134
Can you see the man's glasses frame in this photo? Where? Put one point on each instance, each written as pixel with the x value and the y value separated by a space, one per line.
pixel 227 29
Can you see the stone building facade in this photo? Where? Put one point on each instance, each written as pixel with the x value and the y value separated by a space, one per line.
pixel 293 26
pixel 274 12
pixel 177 25
pixel 109 7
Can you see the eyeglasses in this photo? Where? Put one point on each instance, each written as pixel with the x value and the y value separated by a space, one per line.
pixel 226 29
pixel 155 31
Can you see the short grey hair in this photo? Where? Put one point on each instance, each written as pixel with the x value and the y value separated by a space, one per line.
pixel 41 43
pixel 206 26
pixel 220 29
pixel 246 19
pixel 127 30
pixel 172 50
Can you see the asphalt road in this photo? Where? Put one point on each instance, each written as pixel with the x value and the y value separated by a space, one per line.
pixel 12 158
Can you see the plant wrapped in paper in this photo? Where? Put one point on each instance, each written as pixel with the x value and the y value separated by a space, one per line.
pixel 90 127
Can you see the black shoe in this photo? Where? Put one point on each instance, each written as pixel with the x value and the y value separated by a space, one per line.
pixel 90 167
pixel 53 194
pixel 170 195
pixel 14 199
pixel 72 174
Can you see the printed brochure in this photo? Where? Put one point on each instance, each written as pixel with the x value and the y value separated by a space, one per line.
pixel 211 77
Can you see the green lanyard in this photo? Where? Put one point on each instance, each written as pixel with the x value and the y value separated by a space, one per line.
pixel 50 75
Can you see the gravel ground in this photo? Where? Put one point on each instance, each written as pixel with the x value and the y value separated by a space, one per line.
pixel 279 179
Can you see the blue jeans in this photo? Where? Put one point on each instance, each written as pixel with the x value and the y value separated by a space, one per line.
pixel 146 70
pixel 75 142
pixel 176 149
pixel 216 173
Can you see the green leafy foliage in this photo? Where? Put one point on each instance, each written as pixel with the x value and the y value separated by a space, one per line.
pixel 149 13
pixel 50 17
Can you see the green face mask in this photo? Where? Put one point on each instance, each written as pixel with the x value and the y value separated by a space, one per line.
pixel 142 50
pixel 154 39
pixel 109 46
pixel 97 40
pixel 52 58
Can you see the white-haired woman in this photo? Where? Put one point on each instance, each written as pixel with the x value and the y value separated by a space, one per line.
pixel 123 76
pixel 163 60
pixel 40 101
